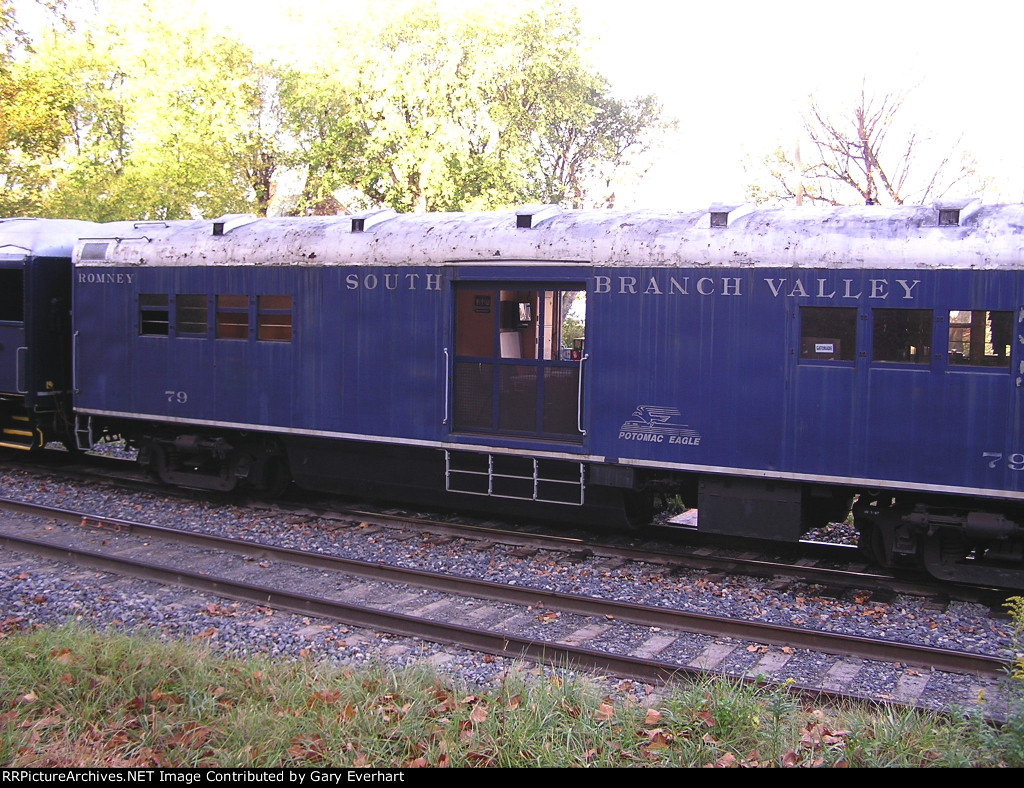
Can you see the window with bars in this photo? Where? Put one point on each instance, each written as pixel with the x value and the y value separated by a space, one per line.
pixel 274 318
pixel 190 315
pixel 154 315
pixel 232 317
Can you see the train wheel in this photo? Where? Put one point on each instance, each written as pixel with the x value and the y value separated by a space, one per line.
pixel 276 477
pixel 638 508
pixel 871 544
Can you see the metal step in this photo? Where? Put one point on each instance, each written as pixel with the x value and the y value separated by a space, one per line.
pixel 515 477
pixel 17 431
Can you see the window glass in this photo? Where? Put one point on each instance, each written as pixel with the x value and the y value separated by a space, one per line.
pixel 232 317
pixel 154 317
pixel 12 294
pixel 190 315
pixel 902 336
pixel 518 359
pixel 565 318
pixel 979 338
pixel 474 322
pixel 828 333
pixel 520 316
pixel 274 318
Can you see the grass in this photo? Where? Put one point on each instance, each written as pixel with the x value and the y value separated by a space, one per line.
pixel 75 697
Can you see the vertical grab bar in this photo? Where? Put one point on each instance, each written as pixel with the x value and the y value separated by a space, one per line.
pixel 74 362
pixel 447 387
pixel 19 373
pixel 579 397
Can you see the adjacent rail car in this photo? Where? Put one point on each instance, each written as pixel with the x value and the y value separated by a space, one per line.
pixel 772 367
pixel 35 330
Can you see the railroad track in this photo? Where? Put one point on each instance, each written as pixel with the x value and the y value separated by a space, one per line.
pixel 835 566
pixel 549 627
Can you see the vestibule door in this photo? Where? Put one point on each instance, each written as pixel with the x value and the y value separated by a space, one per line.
pixel 519 358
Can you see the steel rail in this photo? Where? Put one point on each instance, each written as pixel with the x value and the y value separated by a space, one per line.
pixel 499 644
pixel 760 567
pixel 698 623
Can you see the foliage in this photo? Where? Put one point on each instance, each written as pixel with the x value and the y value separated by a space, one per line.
pixel 144 111
pixel 864 155
pixel 70 697
pixel 423 109
pixel 1015 607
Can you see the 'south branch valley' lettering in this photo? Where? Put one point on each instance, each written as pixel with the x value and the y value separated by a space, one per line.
pixel 845 289
pixel 393 281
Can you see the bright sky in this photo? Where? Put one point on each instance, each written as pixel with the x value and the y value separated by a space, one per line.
pixel 736 75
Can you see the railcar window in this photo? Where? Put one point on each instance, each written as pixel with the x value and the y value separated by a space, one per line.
pixel 565 316
pixel 828 333
pixel 902 336
pixel 12 294
pixel 274 318
pixel 190 315
pixel 232 317
pixel 154 316
pixel 978 338
pixel 518 359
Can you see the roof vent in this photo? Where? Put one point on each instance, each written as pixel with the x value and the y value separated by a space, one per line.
pixel 231 221
pixel 361 222
pixel 952 213
pixel 724 214
pixel 94 250
pixel 531 215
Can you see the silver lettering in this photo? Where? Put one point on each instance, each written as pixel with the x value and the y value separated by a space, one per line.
pixel 652 287
pixel 118 278
pixel 908 288
pixel 776 288
pixel 726 287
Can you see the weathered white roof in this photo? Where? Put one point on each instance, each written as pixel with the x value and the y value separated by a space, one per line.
pixel 876 237
pixel 22 237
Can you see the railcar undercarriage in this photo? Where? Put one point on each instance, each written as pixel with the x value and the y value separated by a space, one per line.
pixel 948 539
pixel 946 536
pixel 213 462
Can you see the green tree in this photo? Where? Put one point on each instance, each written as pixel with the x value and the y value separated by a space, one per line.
pixel 33 118
pixel 128 133
pixel 426 109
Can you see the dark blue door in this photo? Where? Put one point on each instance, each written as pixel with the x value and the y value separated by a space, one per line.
pixel 13 350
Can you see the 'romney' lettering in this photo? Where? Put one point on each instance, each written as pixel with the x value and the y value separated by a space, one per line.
pixel 105 278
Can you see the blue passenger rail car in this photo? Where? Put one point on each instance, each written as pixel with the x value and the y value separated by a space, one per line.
pixel 772 367
pixel 35 336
